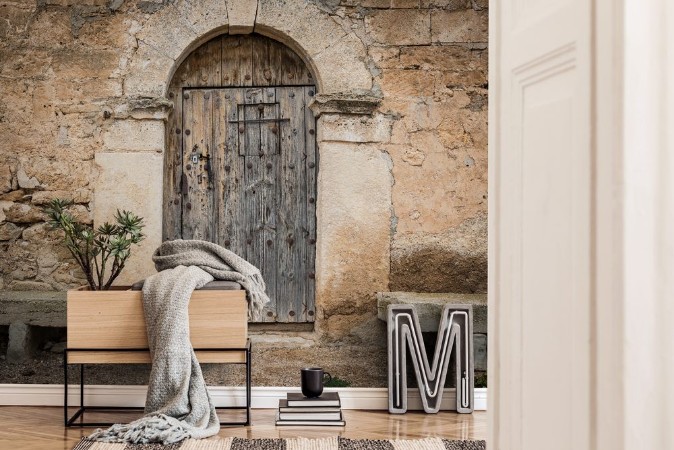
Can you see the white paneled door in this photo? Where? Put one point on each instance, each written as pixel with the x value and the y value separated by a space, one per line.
pixel 540 232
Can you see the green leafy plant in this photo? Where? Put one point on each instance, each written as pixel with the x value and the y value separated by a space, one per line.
pixel 100 249
pixel 481 380
pixel 337 382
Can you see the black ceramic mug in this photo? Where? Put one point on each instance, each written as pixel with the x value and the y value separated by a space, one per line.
pixel 312 381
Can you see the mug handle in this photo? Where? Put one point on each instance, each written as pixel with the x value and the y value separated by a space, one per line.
pixel 329 377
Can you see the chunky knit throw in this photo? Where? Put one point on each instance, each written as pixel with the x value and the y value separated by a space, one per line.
pixel 178 405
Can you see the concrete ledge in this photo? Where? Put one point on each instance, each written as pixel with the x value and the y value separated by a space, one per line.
pixel 43 309
pixel 429 307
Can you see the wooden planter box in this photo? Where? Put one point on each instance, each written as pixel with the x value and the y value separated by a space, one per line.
pixel 109 326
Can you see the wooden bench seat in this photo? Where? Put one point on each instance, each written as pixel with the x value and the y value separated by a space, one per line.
pixel 108 327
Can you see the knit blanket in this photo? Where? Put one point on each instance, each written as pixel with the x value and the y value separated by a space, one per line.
pixel 178 405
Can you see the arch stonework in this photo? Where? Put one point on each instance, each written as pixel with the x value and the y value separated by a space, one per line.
pixel 355 180
pixel 337 57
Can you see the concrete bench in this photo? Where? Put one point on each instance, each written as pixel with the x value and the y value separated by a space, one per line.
pixel 429 310
pixel 24 312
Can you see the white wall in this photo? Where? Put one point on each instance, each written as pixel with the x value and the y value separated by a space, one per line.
pixel 629 402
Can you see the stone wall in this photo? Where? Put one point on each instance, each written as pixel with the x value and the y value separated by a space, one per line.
pixel 402 137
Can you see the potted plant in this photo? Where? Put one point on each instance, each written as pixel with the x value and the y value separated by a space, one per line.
pixel 97 249
pixel 102 316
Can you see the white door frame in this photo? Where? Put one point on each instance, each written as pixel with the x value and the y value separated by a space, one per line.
pixel 631 345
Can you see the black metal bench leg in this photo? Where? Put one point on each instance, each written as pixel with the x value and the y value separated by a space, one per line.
pixel 65 387
pixel 248 383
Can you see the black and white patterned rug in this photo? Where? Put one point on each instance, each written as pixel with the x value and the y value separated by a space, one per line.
pixel 331 443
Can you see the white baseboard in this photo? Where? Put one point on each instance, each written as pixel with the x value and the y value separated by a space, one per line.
pixel 262 397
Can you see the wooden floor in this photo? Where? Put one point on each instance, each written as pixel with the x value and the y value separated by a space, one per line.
pixel 23 428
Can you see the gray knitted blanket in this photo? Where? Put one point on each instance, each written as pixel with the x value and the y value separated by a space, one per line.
pixel 178 405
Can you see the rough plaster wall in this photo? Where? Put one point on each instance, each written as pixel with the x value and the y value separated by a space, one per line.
pixel 68 105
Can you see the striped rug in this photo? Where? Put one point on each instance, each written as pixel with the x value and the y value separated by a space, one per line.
pixel 331 443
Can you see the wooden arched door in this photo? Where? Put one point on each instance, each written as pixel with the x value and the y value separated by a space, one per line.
pixel 241 163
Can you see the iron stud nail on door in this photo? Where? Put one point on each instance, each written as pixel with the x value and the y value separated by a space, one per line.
pixel 186 95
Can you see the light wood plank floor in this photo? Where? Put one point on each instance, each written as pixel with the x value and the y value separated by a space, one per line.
pixel 28 428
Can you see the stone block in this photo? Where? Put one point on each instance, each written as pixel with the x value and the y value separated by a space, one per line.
pixel 171 41
pixel 354 206
pixel 480 351
pixel 78 196
pixel 451 261
pixel 148 72
pixel 446 58
pixel 374 3
pixel 62 173
pixel 43 309
pixel 353 128
pixel 22 343
pixel 132 181
pixel 429 307
pixel 298 24
pixel 135 135
pixel 206 17
pixel 13 196
pixel 25 181
pixel 24 213
pixel 77 63
pixel 341 67
pixel 5 178
pixel 399 26
pixel 459 26
pixel 67 90
pixel 405 3
pixel 406 83
pixel 9 231
pixel 241 16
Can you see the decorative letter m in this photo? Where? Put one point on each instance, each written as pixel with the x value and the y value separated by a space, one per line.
pixel 455 333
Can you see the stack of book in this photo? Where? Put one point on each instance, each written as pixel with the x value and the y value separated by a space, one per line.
pixel 297 409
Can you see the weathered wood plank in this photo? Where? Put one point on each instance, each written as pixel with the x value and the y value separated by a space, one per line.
pixel 294 70
pixel 245 60
pixel 261 71
pixel 231 74
pixel 254 180
pixel 202 68
pixel 291 204
pixel 198 204
pixel 230 220
pixel 270 159
pixel 172 198
pixel 309 226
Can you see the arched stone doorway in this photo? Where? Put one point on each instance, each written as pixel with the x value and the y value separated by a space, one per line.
pixel 241 163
